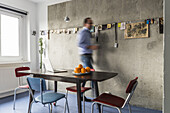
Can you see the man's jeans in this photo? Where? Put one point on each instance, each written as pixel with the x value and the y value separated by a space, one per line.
pixel 87 62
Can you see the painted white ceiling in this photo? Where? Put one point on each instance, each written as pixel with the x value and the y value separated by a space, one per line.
pixel 37 1
pixel 47 1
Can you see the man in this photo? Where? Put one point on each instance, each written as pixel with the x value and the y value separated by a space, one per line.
pixel 84 45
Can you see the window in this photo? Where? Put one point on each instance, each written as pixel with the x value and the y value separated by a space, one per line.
pixel 9 36
pixel 13 38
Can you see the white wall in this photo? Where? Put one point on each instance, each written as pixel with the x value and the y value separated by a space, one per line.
pixel 32 18
pixel 167 57
pixel 37 20
pixel 31 8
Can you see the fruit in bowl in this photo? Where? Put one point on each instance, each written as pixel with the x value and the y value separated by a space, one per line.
pixel 83 70
pixel 80 66
pixel 80 69
pixel 77 70
pixel 88 69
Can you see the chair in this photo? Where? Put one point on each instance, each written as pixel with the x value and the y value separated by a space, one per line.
pixel 83 90
pixel 115 101
pixel 18 75
pixel 39 85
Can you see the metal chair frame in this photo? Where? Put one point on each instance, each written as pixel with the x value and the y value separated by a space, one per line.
pixel 83 101
pixel 83 96
pixel 15 91
pixel 119 109
pixel 50 104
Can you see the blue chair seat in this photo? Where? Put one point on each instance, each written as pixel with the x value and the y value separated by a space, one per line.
pixel 50 97
pixel 39 85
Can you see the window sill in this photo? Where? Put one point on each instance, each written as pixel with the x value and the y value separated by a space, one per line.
pixel 17 62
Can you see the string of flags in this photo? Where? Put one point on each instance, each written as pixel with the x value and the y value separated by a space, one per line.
pixel 120 25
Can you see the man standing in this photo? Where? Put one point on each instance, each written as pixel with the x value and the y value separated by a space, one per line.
pixel 84 44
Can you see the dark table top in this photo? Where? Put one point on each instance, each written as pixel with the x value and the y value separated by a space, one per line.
pixel 64 76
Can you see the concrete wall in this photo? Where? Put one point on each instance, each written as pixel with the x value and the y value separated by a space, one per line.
pixel 134 57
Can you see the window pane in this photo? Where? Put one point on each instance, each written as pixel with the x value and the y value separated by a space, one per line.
pixel 9 36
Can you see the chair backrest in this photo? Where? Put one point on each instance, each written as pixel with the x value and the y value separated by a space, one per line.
pixel 36 84
pixel 21 69
pixel 130 90
pixel 131 85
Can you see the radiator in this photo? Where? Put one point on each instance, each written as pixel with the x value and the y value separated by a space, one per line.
pixel 8 80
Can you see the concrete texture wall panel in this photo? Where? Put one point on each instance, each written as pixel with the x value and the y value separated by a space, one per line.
pixel 130 7
pixel 149 8
pixel 134 57
pixel 58 13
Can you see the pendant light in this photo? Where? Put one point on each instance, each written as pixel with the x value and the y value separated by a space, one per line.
pixel 66 19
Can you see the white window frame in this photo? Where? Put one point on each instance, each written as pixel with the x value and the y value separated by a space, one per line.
pixel 23 42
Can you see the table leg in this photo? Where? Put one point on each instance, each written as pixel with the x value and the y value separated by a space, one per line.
pixel 79 97
pixel 30 100
pixel 97 93
pixel 55 90
pixel 55 86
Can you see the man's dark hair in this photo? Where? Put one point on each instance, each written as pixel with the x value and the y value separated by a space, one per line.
pixel 86 20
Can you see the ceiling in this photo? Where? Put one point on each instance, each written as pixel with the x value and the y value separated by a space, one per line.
pixel 37 1
pixel 49 1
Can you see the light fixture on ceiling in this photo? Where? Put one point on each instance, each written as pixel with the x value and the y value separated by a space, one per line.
pixel 66 19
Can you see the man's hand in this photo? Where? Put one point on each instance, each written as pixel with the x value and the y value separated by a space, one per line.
pixel 93 47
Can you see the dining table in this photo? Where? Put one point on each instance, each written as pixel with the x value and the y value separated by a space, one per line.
pixel 69 77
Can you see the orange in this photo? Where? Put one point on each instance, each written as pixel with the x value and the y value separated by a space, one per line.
pixel 80 66
pixel 88 69
pixel 77 70
pixel 83 70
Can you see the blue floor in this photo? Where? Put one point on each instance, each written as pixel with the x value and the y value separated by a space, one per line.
pixel 6 106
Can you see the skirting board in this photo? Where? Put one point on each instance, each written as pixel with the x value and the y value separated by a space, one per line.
pixel 11 93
